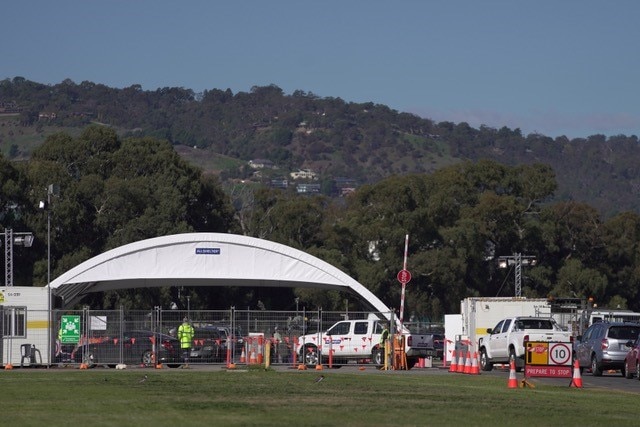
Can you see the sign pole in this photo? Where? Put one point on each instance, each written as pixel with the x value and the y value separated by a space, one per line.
pixel 404 276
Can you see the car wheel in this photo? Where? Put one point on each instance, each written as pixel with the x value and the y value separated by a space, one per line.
pixel 310 356
pixel 89 360
pixel 377 357
pixel 596 371
pixel 627 371
pixel 485 365
pixel 147 358
pixel 411 362
pixel 623 370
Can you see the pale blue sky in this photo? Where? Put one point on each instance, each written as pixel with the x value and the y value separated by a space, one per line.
pixel 557 67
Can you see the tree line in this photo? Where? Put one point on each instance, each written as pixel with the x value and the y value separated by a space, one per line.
pixel 459 219
pixel 364 141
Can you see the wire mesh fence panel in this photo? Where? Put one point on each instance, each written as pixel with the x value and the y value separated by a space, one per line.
pixel 151 337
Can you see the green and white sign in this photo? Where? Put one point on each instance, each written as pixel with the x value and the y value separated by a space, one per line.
pixel 70 327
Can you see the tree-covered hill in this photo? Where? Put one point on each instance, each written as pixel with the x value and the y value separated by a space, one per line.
pixel 116 190
pixel 221 131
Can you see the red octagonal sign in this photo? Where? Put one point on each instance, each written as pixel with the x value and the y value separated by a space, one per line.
pixel 404 276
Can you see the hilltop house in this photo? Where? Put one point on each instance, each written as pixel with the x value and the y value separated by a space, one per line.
pixel 304 174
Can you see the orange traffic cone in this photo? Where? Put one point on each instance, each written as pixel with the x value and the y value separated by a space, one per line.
pixel 453 367
pixel 467 363
pixel 252 358
pixel 475 369
pixel 460 368
pixel 513 381
pixel 243 356
pixel 576 381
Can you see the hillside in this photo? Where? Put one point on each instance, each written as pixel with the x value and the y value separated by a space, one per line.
pixel 221 132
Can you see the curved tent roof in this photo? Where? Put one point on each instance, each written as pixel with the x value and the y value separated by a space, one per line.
pixel 205 259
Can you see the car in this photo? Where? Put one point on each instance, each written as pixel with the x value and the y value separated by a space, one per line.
pixel 208 345
pixel 632 360
pixel 211 342
pixel 132 348
pixel 603 346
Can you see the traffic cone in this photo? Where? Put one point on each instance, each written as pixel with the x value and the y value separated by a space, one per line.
pixel 460 368
pixel 475 368
pixel 243 356
pixel 453 367
pixel 252 358
pixel 467 363
pixel 513 381
pixel 576 381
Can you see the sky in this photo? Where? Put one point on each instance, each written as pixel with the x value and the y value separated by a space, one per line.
pixel 553 67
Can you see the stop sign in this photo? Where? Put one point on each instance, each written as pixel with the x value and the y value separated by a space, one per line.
pixel 404 276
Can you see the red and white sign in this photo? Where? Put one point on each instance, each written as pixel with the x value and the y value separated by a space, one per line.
pixel 559 354
pixel 404 276
pixel 548 359
pixel 547 371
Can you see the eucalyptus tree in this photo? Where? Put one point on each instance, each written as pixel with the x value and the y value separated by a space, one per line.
pixel 458 220
pixel 621 240
pixel 114 192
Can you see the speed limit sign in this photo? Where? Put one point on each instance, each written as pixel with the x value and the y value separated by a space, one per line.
pixel 559 354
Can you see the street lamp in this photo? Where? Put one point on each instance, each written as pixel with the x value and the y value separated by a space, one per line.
pixel 52 190
pixel 518 260
pixel 10 239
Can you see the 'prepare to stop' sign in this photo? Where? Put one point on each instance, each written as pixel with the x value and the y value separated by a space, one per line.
pixel 404 276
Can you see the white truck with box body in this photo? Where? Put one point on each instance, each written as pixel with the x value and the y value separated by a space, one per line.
pixel 506 340
pixel 359 340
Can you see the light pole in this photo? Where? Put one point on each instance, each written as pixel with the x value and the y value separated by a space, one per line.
pixel 52 190
pixel 518 260
pixel 11 238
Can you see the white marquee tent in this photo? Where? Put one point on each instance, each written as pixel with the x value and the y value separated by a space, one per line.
pixel 205 259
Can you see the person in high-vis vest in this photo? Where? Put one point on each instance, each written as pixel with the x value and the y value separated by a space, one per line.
pixel 185 335
pixel 384 340
pixel 59 342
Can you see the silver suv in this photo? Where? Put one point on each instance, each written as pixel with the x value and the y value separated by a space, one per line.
pixel 603 346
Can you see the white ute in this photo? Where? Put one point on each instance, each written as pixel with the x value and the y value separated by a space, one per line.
pixel 506 340
pixel 358 340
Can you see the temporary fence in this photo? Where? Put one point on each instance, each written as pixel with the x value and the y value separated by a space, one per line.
pixel 150 337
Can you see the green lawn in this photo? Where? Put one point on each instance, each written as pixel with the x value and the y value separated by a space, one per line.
pixel 172 397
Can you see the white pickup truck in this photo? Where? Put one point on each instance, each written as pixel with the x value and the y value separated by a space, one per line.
pixel 507 338
pixel 358 340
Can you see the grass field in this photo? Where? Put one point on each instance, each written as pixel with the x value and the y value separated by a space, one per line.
pixel 172 397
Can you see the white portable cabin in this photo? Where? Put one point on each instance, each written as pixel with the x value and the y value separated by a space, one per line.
pixel 481 313
pixel 26 337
